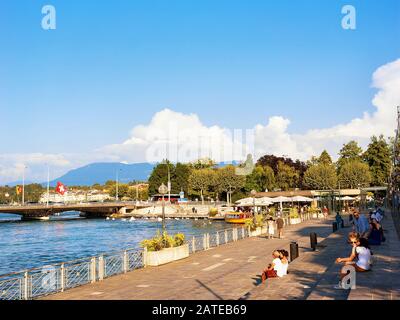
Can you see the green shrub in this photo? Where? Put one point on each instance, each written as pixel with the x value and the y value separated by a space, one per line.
pixel 255 223
pixel 294 213
pixel 159 242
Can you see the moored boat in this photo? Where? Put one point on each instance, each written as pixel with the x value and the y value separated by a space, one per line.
pixel 237 218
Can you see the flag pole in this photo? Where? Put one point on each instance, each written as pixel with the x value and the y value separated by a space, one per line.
pixel 23 186
pixel 48 184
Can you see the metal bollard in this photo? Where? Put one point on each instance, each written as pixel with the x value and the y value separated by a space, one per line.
pixel 334 226
pixel 313 241
pixel 294 250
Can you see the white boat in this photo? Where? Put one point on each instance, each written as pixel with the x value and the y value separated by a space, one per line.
pixel 177 219
pixel 159 219
pixel 132 219
pixel 108 218
pixel 113 219
pixel 123 219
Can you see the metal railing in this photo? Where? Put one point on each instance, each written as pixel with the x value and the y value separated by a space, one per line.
pixel 55 278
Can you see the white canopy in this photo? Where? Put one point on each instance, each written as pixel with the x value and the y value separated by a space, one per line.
pixel 250 202
pixel 245 201
pixel 301 199
pixel 346 198
pixel 281 199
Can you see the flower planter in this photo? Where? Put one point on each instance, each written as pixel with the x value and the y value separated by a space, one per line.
pixel 256 232
pixel 295 220
pixel 157 258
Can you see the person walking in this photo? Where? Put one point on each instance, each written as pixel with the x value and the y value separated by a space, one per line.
pixel 271 228
pixel 325 212
pixel 280 223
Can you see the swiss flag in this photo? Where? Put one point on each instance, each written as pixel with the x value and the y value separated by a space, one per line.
pixel 61 189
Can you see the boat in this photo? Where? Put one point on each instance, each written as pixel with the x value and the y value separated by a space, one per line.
pixel 237 218
pixel 132 219
pixel 159 219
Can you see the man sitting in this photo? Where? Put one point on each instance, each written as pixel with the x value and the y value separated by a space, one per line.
pixel 360 224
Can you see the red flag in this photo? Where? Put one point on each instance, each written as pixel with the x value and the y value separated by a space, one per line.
pixel 61 189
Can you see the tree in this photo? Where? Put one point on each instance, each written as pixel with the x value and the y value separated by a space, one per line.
pixel 123 189
pixel 260 179
pixel 227 181
pixel 181 177
pixel 159 175
pixel 378 158
pixel 321 176
pixel 200 181
pixel 273 162
pixel 203 163
pixel 350 151
pixel 287 177
pixel 325 158
pixel 354 174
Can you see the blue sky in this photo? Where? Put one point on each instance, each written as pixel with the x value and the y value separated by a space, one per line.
pixel 111 65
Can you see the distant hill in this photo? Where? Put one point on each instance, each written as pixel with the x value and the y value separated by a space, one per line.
pixel 102 172
pixel 17 183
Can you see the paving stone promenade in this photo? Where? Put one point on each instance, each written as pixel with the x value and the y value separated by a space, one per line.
pixel 232 272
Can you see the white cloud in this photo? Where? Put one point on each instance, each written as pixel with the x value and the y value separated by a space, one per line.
pixel 178 137
pixel 187 138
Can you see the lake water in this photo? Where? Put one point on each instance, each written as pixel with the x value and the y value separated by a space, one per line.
pixel 29 244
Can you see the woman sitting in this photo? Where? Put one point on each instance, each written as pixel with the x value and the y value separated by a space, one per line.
pixel 285 263
pixel 272 270
pixel 360 252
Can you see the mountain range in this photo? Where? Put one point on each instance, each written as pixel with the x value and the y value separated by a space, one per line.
pixel 102 172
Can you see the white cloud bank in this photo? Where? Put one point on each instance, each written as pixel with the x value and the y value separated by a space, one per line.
pixel 183 137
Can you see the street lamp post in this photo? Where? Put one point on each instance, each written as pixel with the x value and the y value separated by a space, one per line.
pixel 116 185
pixel 48 185
pixel 163 190
pixel 23 185
pixel 253 194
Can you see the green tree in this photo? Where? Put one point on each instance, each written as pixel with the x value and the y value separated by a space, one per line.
pixel 321 176
pixel 378 158
pixel 181 178
pixel 200 182
pixel 354 174
pixel 260 179
pixel 123 190
pixel 203 163
pixel 159 175
pixel 287 177
pixel 350 151
pixel 226 181
pixel 325 158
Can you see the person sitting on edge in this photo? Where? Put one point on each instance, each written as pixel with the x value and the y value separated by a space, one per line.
pixel 339 219
pixel 360 224
pixel 375 234
pixel 360 252
pixel 272 270
pixel 285 263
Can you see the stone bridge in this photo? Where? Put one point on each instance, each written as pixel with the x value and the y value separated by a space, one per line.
pixel 89 210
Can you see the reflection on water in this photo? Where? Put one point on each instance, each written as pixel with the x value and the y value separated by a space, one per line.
pixel 28 244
